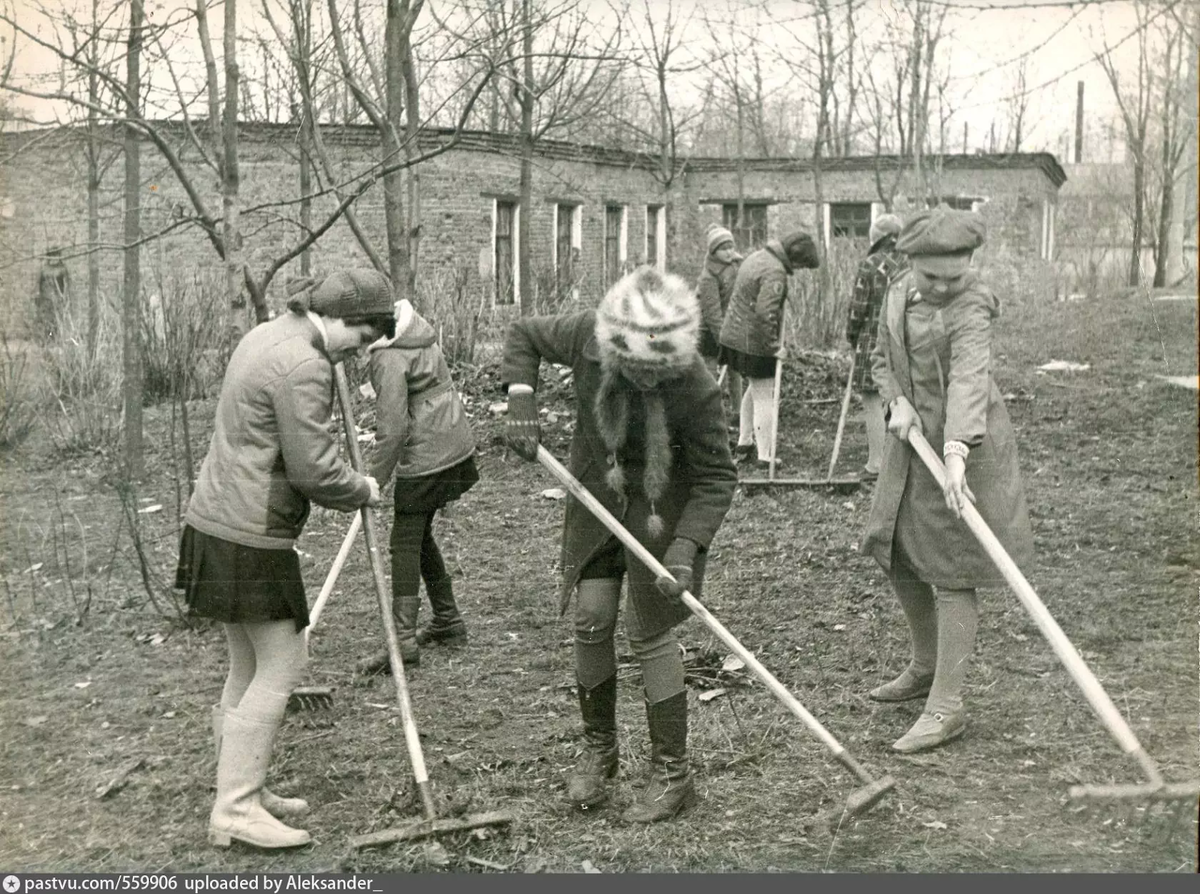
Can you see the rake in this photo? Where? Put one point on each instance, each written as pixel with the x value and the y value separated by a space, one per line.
pixel 431 824
pixel 861 799
pixel 1155 788
pixel 836 485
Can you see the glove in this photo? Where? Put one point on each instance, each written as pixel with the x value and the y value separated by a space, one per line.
pixel 678 560
pixel 521 431
pixel 901 417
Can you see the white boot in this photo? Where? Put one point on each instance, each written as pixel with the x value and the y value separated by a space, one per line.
pixel 246 745
pixel 277 806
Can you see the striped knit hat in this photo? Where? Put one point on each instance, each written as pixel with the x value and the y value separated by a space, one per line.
pixel 649 320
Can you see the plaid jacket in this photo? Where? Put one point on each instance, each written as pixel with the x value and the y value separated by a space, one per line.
pixel 876 272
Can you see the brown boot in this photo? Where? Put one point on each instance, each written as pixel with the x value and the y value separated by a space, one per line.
pixel 670 790
pixel 587 786
pixel 447 626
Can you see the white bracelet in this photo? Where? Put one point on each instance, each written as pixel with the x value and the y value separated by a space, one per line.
pixel 955 448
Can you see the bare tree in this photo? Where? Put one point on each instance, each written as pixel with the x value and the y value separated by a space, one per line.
pixel 132 292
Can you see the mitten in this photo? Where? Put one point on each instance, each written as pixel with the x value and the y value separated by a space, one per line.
pixel 521 431
pixel 678 560
pixel 901 416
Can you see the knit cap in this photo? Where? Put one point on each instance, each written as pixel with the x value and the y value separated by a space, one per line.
pixel 942 231
pixel 717 236
pixel 346 294
pixel 648 320
pixel 885 225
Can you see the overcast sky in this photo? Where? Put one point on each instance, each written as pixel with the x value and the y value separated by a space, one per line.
pixel 986 40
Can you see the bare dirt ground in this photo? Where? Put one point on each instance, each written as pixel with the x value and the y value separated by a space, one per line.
pixel 96 676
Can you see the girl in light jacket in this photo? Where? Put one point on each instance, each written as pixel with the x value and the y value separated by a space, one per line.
pixel 272 453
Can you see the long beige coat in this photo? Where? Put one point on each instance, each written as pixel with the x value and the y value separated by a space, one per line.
pixel 939 357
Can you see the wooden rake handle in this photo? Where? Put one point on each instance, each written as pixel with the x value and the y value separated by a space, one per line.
pixel 411 737
pixel 334 571
pixel 1099 700
pixel 841 426
pixel 610 521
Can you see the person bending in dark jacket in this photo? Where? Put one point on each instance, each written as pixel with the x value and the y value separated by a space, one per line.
pixel 651 445
pixel 272 453
pixel 422 436
pixel 752 335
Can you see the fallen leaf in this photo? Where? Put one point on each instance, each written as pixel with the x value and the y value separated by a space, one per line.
pixel 169 715
pixel 35 721
pixel 934 824
pixel 366 390
pixel 839 626
pixel 588 867
pixel 554 493
pixel 157 507
pixel 436 853
pixel 732 663
pixel 710 694
pixel 34 567
pixel 83 685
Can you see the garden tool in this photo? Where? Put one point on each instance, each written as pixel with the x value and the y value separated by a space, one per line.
pixel 841 427
pixel 430 824
pixel 861 799
pixel 1155 789
pixel 316 698
pixel 836 485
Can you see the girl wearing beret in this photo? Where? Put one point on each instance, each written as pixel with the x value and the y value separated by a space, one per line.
pixel 932 364
pixel 272 453
pixel 651 445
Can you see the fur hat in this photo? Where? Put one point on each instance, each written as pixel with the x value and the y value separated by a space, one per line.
pixel 648 320
pixel 942 231
pixel 359 292
pixel 885 225
pixel 717 236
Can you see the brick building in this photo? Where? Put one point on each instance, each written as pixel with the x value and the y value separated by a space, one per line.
pixel 595 211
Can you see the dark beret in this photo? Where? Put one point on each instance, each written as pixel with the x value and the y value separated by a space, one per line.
pixel 800 249
pixel 942 231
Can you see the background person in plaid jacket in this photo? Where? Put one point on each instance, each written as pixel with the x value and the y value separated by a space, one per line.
pixel 881 266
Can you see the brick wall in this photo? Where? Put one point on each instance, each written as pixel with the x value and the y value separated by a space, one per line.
pixel 43 203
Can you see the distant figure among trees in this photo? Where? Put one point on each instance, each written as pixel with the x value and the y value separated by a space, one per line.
pixel 53 295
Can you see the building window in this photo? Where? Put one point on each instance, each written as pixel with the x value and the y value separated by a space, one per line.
pixel 656 236
pixel 958 203
pixel 567 220
pixel 850 220
pixel 751 233
pixel 504 254
pixel 614 243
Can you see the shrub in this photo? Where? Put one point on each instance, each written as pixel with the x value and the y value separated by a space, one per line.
pixel 83 387
pixel 18 400
pixel 184 349
pixel 819 300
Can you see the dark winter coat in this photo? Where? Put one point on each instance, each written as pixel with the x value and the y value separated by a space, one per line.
pixel 882 265
pixel 272 448
pixel 702 477
pixel 421 426
pixel 939 357
pixel 754 319
pixel 713 291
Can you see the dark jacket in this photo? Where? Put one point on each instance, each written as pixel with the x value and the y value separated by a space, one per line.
pixel 939 357
pixel 421 426
pixel 713 291
pixel 882 265
pixel 272 449
pixel 702 478
pixel 754 319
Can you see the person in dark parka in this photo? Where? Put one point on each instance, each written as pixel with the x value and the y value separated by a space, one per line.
pixel 651 445
pixel 933 367
pixel 713 290
pixel 876 272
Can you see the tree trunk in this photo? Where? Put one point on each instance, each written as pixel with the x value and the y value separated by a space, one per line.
pixel 524 230
pixel 131 300
pixel 1139 213
pixel 230 185
pixel 93 200
pixel 393 182
pixel 412 125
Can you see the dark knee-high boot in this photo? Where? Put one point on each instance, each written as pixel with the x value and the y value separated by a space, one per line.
pixel 587 786
pixel 670 789
pixel 447 625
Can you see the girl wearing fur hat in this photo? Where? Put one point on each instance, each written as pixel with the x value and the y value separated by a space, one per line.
pixel 752 335
pixel 272 453
pixel 422 436
pixel 881 265
pixel 933 367
pixel 650 444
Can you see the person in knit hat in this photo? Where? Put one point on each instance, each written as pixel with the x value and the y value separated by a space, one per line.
pixel 650 444
pixel 932 365
pixel 713 289
pixel 882 264
pixel 272 455
pixel 423 437
pixel 752 335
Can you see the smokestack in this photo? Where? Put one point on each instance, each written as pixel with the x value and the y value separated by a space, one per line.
pixel 964 138
pixel 1079 124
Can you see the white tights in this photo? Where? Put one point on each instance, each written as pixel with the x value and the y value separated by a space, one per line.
pixel 756 423
pixel 266 662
